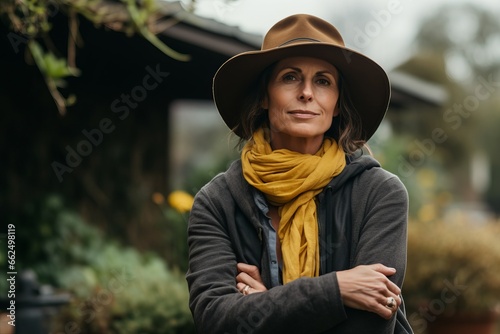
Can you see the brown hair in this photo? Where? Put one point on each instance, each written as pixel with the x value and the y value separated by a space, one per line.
pixel 346 128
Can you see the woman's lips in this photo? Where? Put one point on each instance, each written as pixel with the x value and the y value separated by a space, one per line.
pixel 303 114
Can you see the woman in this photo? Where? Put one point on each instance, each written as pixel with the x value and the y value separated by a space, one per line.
pixel 303 234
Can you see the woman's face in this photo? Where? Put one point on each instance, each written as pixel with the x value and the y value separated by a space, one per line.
pixel 301 98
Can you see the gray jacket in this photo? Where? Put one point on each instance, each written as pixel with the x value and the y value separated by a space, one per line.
pixel 225 228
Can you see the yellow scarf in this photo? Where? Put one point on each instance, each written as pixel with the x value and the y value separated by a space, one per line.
pixel 291 180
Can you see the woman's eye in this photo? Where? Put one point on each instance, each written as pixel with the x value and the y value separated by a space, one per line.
pixel 324 82
pixel 289 77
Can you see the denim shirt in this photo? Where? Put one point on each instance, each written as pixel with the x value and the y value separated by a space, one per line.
pixel 271 235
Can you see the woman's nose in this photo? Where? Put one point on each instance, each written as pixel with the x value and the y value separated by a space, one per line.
pixel 306 93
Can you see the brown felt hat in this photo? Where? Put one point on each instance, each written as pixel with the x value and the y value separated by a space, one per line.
pixel 304 36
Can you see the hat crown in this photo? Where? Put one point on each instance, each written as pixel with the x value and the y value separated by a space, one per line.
pixel 301 28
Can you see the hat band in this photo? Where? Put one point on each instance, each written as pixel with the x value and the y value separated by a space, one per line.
pixel 299 39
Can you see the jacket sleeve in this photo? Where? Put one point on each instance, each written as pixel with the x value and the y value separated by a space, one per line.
pixel 379 217
pixel 306 305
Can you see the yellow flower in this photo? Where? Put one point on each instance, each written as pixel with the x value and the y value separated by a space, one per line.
pixel 158 198
pixel 180 201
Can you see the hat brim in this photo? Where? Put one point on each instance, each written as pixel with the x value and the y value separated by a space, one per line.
pixel 366 82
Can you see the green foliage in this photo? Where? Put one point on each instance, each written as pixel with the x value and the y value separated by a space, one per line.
pixel 49 64
pixel 140 19
pixel 202 175
pixel 175 234
pixel 488 138
pixel 30 18
pixel 115 289
pixel 440 32
pixel 31 21
pixel 425 181
pixel 446 53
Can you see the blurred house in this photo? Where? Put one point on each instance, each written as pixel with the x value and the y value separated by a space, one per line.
pixel 113 149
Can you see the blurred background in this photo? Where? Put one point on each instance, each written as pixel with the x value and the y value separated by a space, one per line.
pixel 108 130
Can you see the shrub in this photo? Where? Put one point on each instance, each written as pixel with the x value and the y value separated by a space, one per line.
pixel 115 289
pixel 453 265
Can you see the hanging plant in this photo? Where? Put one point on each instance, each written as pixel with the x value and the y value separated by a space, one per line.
pixel 29 21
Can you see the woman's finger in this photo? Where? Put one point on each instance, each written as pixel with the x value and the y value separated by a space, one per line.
pixel 245 288
pixel 384 311
pixel 393 288
pixel 249 280
pixel 251 270
pixel 248 285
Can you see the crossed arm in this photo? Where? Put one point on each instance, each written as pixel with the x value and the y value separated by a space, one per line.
pixel 365 287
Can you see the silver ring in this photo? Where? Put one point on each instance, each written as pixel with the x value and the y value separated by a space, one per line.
pixel 391 303
pixel 245 289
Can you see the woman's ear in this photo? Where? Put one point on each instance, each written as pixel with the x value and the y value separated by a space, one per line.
pixel 336 111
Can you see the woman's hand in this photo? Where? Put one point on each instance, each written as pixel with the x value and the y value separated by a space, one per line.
pixel 368 288
pixel 248 279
